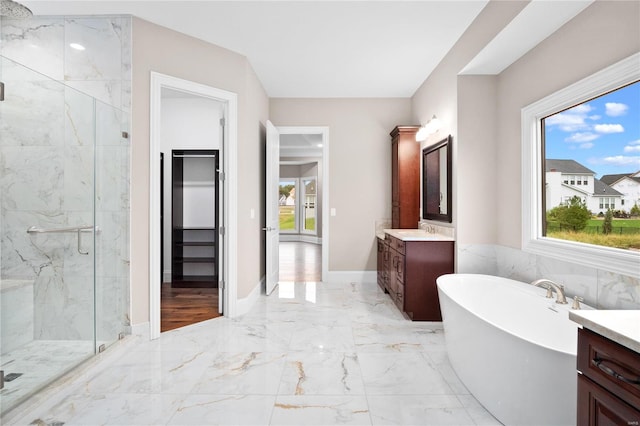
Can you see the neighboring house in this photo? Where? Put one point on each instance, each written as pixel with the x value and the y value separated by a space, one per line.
pixel 628 185
pixel 291 199
pixel 568 178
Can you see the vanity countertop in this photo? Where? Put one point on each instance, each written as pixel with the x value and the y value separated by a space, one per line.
pixel 416 235
pixel 622 327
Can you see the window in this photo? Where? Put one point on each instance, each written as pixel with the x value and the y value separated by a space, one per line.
pixel 287 205
pixel 309 206
pixel 571 125
pixel 297 205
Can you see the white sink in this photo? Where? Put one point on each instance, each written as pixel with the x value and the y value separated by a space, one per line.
pixel 417 234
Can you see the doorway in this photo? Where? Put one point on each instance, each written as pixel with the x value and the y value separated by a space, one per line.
pixel 190 238
pixel 187 116
pixel 303 204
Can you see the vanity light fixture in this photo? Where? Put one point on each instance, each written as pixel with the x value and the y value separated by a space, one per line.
pixel 428 129
pixel 76 46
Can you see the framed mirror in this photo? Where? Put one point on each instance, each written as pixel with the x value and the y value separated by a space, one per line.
pixel 436 181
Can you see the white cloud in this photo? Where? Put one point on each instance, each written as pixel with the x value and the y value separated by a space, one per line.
pixel 633 146
pixel 622 160
pixel 588 145
pixel 567 122
pixel 572 120
pixel 580 109
pixel 608 128
pixel 582 137
pixel 614 109
pixel 595 117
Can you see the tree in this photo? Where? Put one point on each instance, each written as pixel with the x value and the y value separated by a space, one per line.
pixel 286 190
pixel 635 210
pixel 572 215
pixel 607 224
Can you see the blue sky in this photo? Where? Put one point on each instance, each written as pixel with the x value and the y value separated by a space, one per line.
pixel 602 134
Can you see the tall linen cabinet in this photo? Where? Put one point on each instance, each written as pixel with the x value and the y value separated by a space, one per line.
pixel 405 178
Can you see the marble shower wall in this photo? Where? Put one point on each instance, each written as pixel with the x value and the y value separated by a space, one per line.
pixel 62 135
pixel 600 289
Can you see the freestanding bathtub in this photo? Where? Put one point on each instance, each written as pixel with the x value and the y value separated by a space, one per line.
pixel 514 349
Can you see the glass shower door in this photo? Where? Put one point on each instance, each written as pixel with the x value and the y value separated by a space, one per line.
pixel 48 237
pixel 112 223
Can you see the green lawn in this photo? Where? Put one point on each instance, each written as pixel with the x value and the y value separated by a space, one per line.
pixel 287 218
pixel 622 223
pixel 625 234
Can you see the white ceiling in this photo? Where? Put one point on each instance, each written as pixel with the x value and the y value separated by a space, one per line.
pixel 298 147
pixel 311 48
pixel 365 48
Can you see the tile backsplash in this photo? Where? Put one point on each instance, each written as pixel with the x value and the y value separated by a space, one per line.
pixel 600 289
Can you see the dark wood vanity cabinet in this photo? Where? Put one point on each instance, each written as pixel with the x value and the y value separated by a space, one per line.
pixel 608 388
pixel 411 271
pixel 383 264
pixel 405 177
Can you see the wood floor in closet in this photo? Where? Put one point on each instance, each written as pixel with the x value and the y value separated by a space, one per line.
pixel 185 306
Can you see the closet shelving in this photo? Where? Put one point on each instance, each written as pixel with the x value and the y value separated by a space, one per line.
pixel 194 218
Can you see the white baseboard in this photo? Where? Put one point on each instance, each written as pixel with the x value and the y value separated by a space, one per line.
pixel 245 304
pixel 166 276
pixel 141 329
pixel 352 276
pixel 300 238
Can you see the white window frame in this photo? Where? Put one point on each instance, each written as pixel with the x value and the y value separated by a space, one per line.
pixel 303 229
pixel 620 261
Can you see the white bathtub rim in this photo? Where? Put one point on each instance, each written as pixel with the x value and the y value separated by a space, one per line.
pixel 532 291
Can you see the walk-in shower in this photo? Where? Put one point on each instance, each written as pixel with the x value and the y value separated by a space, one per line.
pixel 64 226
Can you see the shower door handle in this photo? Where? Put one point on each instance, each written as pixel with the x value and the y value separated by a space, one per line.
pixel 80 243
pixel 77 229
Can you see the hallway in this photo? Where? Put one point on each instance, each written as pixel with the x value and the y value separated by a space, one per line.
pixel 300 262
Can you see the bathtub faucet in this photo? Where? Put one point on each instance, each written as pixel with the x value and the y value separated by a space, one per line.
pixel 548 284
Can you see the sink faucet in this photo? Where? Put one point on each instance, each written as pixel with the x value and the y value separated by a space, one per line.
pixel 548 284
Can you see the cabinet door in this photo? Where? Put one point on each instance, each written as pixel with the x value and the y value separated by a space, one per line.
pixel 380 264
pixel 598 407
pixel 393 278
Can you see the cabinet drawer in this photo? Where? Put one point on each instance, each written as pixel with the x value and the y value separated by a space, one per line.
pixel 395 243
pixel 610 365
pixel 598 407
pixel 399 245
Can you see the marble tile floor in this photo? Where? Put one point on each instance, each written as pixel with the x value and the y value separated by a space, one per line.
pixel 39 362
pixel 309 354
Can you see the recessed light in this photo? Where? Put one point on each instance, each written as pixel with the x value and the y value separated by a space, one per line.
pixel 76 46
pixel 319 145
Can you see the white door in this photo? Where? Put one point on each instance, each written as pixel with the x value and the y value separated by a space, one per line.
pixel 272 195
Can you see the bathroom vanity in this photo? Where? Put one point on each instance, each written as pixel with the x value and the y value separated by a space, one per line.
pixel 608 367
pixel 409 261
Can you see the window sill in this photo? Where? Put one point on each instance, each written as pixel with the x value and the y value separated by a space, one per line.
pixel 614 260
